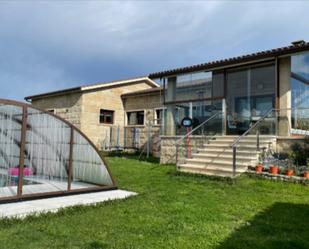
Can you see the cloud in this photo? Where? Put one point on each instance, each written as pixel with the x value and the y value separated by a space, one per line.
pixel 53 45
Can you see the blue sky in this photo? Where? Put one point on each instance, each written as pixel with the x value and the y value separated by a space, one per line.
pixel 51 45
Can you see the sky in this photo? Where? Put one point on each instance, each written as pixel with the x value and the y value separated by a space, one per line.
pixel 53 45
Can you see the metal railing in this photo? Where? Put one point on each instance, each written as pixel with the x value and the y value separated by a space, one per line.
pixel 237 140
pixel 278 114
pixel 203 137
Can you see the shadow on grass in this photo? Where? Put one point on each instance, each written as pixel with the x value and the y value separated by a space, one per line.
pixel 282 226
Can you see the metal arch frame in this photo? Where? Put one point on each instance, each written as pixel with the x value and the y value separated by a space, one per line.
pixel 69 191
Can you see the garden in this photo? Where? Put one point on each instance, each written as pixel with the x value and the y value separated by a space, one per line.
pixel 173 210
pixel 293 164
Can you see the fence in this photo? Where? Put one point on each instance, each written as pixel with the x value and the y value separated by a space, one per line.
pixel 146 138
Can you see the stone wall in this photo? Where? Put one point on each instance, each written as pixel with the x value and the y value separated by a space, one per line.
pixel 284 143
pixel 109 99
pixel 67 106
pixel 168 148
pixel 148 103
pixel 83 108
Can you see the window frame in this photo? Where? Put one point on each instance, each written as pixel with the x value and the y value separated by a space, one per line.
pixel 135 111
pixel 155 121
pixel 104 117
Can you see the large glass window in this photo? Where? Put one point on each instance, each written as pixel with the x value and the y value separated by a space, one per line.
pixel 300 91
pixel 187 87
pixel 192 95
pixel 250 94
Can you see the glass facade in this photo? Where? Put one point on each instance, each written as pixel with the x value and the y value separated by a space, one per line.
pixel 192 95
pixel 300 91
pixel 250 94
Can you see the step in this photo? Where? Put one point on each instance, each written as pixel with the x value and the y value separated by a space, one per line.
pixel 211 170
pixel 224 155
pixel 221 164
pixel 246 138
pixel 208 173
pixel 250 142
pixel 224 147
pixel 227 150
pixel 219 161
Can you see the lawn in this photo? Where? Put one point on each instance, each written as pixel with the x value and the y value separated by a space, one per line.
pixel 174 211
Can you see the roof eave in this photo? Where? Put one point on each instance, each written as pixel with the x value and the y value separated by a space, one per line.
pixel 259 56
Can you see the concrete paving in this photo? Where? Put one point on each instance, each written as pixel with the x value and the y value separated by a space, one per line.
pixel 22 209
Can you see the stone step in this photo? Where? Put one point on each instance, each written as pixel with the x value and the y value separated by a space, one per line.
pixel 211 170
pixel 232 138
pixel 216 157
pixel 223 147
pixel 249 142
pixel 224 155
pixel 226 151
pixel 219 163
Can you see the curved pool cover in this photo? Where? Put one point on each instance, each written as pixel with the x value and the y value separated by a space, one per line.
pixel 43 155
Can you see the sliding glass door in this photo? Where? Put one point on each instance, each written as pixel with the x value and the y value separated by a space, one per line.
pixel 250 94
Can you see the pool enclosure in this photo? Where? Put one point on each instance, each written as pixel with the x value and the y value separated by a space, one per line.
pixel 43 155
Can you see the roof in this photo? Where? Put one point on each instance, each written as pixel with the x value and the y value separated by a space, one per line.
pixel 96 86
pixel 143 92
pixel 296 47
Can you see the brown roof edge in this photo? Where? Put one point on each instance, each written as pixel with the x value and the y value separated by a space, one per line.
pixel 93 87
pixel 60 92
pixel 142 92
pixel 298 47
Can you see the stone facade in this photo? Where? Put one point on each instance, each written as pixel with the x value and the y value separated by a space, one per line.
pixel 168 148
pixel 82 108
pixel 67 106
pixel 148 102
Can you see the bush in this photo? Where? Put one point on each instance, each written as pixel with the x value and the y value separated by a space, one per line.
pixel 300 154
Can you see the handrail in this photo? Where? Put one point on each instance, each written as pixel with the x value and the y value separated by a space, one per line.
pixel 237 140
pixel 197 127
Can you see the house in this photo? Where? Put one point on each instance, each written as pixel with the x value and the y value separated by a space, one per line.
pixel 144 118
pixel 98 109
pixel 237 107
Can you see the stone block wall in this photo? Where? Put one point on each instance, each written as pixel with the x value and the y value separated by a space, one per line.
pixel 168 148
pixel 67 106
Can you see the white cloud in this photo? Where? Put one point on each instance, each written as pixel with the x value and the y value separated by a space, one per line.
pixel 62 43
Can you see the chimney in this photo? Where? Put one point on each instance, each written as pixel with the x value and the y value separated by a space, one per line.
pixel 298 43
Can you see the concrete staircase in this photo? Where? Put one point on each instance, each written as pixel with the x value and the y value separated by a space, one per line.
pixel 216 157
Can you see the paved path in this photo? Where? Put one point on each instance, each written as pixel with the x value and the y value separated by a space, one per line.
pixel 22 209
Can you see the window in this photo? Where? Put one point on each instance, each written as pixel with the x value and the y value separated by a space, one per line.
pixel 106 116
pixel 135 118
pixel 159 116
pixel 186 87
pixel 300 91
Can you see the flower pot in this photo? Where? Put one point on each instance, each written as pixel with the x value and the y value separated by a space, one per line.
pixel 259 168
pixel 289 172
pixel 273 170
pixel 306 174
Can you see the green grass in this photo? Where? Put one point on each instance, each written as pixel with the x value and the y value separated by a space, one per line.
pixel 174 211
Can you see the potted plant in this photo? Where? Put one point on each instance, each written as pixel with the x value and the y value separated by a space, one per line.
pixel 289 171
pixel 288 167
pixel 304 170
pixel 259 168
pixel 273 169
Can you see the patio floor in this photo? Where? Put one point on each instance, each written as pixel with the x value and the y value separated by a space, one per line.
pixel 22 209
